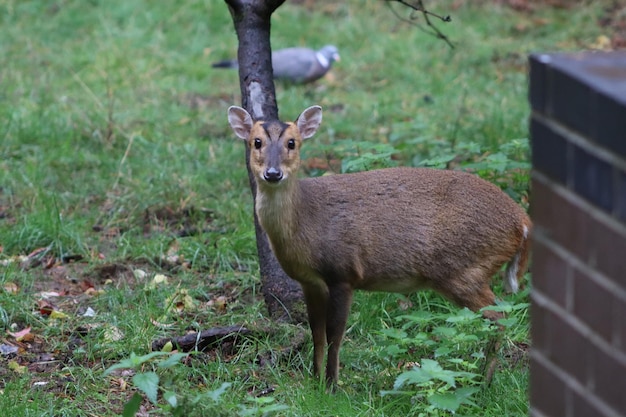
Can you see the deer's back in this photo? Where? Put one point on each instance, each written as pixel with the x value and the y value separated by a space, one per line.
pixel 401 224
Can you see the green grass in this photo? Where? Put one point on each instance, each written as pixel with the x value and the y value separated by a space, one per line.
pixel 115 156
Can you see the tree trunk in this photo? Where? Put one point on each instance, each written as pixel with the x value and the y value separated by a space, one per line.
pixel 283 296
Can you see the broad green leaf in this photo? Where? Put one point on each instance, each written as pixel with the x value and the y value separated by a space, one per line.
pixel 394 350
pixel 465 393
pixel 396 392
pixel 394 333
pixel 418 317
pixel 446 332
pixel 133 362
pixel 174 359
pixel 437 161
pixel 148 382
pixel 464 337
pixel 508 322
pixel 462 315
pixel 170 397
pixel 414 376
pixel 216 394
pixel 498 161
pixel 435 371
pixel 446 401
pixel 442 351
pixel 132 406
pixel 269 410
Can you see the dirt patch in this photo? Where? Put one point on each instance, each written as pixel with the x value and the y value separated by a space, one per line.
pixel 516 355
pixel 614 19
pixel 181 222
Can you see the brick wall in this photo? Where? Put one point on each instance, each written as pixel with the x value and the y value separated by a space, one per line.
pixel 578 204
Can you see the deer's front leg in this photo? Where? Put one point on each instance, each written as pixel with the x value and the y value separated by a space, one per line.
pixel 316 298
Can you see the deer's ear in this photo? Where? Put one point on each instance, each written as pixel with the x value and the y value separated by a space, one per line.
pixel 240 120
pixel 308 121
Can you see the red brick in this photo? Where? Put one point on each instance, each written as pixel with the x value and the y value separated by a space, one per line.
pixel 609 251
pixel 547 392
pixel 550 272
pixel 571 351
pixel 593 179
pixel 593 304
pixel 581 407
pixel 610 381
pixel 540 319
pixel 619 324
pixel 561 221
pixel 549 151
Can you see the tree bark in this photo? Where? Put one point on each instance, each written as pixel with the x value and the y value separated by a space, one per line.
pixel 283 296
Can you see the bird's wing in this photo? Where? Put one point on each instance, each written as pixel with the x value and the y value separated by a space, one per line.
pixel 296 64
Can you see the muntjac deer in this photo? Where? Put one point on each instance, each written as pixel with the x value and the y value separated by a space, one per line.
pixel 395 229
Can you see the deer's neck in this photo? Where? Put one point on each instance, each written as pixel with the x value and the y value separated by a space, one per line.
pixel 277 210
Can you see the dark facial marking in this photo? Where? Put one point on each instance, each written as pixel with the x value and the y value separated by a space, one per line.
pixel 275 128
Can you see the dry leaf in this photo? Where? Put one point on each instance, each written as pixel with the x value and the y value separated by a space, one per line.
pixel 45 307
pixel 56 314
pixel 139 273
pixel 113 334
pixel 11 287
pixel 219 303
pixel 20 335
pixel 86 285
pixel 16 367
pixel 181 300
pixel 157 281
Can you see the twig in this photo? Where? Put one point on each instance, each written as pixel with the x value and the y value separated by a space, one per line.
pixel 418 6
pixel 201 341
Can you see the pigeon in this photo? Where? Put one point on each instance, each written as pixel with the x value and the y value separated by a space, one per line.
pixel 297 65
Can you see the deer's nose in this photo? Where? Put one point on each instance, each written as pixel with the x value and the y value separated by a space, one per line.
pixel 273 175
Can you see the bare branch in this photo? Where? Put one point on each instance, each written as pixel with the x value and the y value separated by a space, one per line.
pixel 204 340
pixel 418 6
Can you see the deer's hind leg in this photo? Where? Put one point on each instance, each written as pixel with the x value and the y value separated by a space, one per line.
pixel 337 317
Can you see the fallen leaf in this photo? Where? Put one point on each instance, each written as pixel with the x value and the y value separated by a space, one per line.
pixel 161 325
pixel 219 303
pixel 139 273
pixel 158 280
pixel 56 314
pixel 93 292
pixel 90 312
pixel 49 294
pixel 14 259
pixel 20 335
pixel 122 383
pixel 8 349
pixel 16 367
pixel 602 43
pixel 45 307
pixel 11 287
pixel 38 251
pixel 113 334
pixel 86 285
pixel 181 300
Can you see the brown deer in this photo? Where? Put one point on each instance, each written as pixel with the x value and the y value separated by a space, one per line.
pixel 394 229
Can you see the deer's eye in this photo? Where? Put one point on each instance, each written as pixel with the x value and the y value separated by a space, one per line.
pixel 258 143
pixel 291 144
